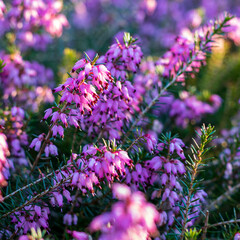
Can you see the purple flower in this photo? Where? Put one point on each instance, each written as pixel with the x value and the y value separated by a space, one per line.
pixel 132 217
pixel 31 217
pixel 79 235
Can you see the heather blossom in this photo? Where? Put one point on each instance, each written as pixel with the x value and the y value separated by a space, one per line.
pixel 131 218
pixel 104 98
pixel 121 58
pixel 178 55
pixel 237 236
pixel 94 166
pixel 79 235
pixel 50 148
pixel 119 101
pixel 165 173
pixel 26 83
pixel 2 9
pixel 34 22
pixel 80 91
pixel 15 122
pixel 4 165
pixel 188 108
pixel 114 108
pixel 70 219
pixel 32 216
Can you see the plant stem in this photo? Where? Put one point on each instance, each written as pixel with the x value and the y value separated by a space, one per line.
pixel 205 226
pixel 74 140
pixel 33 183
pixel 224 223
pixel 215 204
pixel 191 189
pixel 206 137
pixel 49 134
pixel 154 101
pixel 38 196
pixel 133 143
pixel 201 49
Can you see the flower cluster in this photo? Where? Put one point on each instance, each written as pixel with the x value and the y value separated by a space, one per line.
pixel 188 108
pixel 131 218
pixel 164 172
pixel 95 166
pixel 179 55
pixel 80 91
pixel 2 9
pixel 4 152
pixel 116 104
pixel 17 138
pixel 25 83
pixel 34 22
pixel 114 108
pixel 32 216
pixel 123 57
pixel 50 148
pixel 230 155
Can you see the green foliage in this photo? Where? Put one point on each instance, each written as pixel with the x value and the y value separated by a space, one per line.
pixel 128 39
pixel 70 56
pixel 38 235
pixel 192 234
pixel 190 183
pixel 1 65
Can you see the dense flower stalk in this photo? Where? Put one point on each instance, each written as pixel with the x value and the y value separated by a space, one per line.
pixel 80 91
pixel 119 101
pixel 100 165
pixel 123 57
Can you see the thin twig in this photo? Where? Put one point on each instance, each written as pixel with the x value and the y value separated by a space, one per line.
pixel 205 226
pixel 215 204
pixel 154 101
pixel 31 184
pixel 202 48
pixel 14 234
pixel 100 135
pixel 62 181
pixel 49 134
pixel 224 223
pixel 74 139
pixel 133 143
pixel 190 192
pixel 36 197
